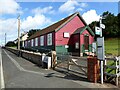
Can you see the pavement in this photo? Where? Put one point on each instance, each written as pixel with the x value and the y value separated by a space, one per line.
pixel 21 73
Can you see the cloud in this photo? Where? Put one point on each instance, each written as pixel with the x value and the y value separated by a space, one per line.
pixel 36 21
pixel 80 9
pixel 9 7
pixel 10 26
pixel 71 6
pixel 83 4
pixel 68 6
pixel 90 16
pixel 39 10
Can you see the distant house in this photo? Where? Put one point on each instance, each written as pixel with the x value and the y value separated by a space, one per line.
pixel 23 37
pixel 70 34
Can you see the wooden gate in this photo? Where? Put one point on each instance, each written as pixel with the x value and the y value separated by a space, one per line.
pixel 81 63
pixel 73 64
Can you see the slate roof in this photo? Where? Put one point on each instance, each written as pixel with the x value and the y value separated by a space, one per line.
pixel 78 30
pixel 56 26
pixel 81 30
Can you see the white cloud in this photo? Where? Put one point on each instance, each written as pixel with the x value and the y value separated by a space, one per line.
pixel 35 22
pixel 9 7
pixel 83 4
pixel 90 16
pixel 44 10
pixel 71 6
pixel 68 6
pixel 79 9
pixel 10 25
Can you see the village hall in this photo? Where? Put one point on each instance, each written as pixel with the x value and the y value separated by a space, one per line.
pixel 69 35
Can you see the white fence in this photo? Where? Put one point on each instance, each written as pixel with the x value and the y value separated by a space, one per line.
pixel 115 66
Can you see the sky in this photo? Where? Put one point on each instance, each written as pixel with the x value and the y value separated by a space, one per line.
pixel 38 15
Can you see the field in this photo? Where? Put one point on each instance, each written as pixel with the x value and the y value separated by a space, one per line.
pixel 111 46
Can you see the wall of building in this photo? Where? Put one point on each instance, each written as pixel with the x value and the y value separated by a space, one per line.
pixel 70 27
pixel 91 40
pixel 38 45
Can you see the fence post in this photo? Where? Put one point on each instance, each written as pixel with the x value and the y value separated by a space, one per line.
pixel 69 62
pixel 104 67
pixel 116 71
pixel 119 64
pixel 53 59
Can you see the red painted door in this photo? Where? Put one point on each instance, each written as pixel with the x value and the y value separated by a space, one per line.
pixel 86 42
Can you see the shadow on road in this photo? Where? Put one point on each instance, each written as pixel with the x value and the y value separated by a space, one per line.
pixel 70 75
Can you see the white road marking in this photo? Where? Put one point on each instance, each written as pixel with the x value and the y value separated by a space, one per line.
pixel 21 68
pixel 1 71
pixel 29 71
pixel 17 65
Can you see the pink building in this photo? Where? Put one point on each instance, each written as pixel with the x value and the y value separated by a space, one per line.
pixel 70 34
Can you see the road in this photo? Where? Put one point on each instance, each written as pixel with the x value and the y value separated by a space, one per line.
pixel 20 73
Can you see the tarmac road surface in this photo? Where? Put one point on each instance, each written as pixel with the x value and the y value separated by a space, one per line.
pixel 20 73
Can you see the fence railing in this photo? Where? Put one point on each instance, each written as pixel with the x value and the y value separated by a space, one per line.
pixel 115 65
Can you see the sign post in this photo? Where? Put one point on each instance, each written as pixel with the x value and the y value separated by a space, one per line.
pixel 100 47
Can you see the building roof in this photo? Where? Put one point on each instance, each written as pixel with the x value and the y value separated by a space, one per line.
pixel 82 29
pixel 22 35
pixel 56 26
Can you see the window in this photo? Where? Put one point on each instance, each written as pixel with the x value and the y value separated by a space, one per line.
pixel 77 45
pixel 25 43
pixel 66 35
pixel 41 40
pixel 49 39
pixel 36 41
pixel 29 43
pixel 32 42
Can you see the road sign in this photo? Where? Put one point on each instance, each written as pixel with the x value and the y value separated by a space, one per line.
pixel 100 48
pixel 97 30
pixel 102 26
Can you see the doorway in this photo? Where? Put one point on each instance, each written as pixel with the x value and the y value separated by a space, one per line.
pixel 86 42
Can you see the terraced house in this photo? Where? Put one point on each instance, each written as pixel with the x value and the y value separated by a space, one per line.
pixel 70 34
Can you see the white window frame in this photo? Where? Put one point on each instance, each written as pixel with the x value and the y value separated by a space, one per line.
pixel 36 41
pixel 77 45
pixel 32 42
pixel 25 43
pixel 41 40
pixel 49 39
pixel 66 34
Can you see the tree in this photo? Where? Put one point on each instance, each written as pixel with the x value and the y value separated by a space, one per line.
pixel 32 31
pixel 111 22
pixel 10 44
pixel 118 24
pixel 92 26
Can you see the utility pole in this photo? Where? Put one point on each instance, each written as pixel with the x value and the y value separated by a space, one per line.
pixel 18 32
pixel 5 38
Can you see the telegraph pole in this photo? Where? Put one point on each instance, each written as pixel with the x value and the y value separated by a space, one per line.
pixel 18 32
pixel 5 38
